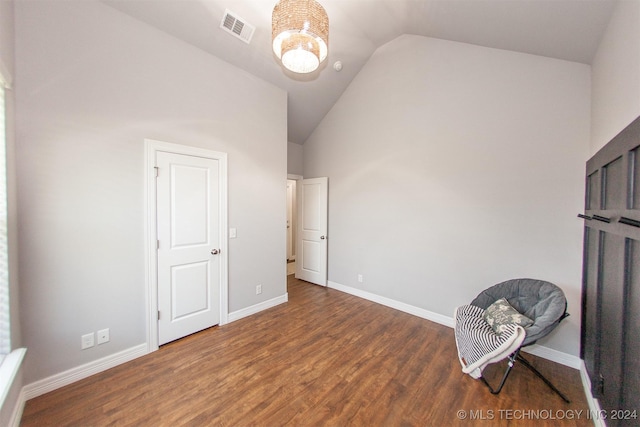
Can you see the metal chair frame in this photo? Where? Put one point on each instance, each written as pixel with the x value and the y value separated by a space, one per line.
pixel 516 356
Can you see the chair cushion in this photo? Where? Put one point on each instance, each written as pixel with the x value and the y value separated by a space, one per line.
pixel 541 301
pixel 500 314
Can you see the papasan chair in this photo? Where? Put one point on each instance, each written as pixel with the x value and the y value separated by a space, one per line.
pixel 502 320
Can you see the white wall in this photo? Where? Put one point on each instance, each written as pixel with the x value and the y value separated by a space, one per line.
pixel 294 159
pixel 616 75
pixel 91 85
pixel 453 167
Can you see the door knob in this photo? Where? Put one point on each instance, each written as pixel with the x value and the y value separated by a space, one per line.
pixel 215 251
pixel 322 237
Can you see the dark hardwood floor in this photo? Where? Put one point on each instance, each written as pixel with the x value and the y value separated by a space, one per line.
pixel 325 358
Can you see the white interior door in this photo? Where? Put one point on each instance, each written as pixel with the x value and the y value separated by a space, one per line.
pixel 311 260
pixel 189 261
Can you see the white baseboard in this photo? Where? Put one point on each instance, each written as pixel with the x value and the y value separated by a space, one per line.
pixel 594 405
pixel 416 311
pixel 544 352
pixel 16 415
pixel 239 314
pixel 554 355
pixel 62 379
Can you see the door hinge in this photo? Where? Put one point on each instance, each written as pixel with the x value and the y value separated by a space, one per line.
pixel 600 386
pixel 157 169
pixel 157 244
pixel 158 314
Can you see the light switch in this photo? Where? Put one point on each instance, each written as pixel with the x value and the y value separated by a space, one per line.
pixel 232 233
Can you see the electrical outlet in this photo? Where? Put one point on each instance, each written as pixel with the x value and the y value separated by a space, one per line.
pixel 258 289
pixel 360 278
pixel 88 341
pixel 103 336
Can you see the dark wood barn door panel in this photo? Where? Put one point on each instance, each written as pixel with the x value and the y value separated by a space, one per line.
pixel 611 277
pixel 631 385
pixel 591 318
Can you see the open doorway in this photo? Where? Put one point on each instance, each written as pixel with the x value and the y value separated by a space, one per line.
pixel 291 224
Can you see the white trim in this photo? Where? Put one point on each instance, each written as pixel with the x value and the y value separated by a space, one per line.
pixel 150 233
pixel 248 311
pixel 8 370
pixel 294 177
pixel 78 373
pixel 554 355
pixel 416 311
pixel 544 352
pixel 18 409
pixel 151 279
pixel 594 405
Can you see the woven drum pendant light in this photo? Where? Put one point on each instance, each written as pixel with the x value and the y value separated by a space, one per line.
pixel 300 34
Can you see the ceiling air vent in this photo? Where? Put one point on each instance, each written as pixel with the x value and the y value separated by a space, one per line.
pixel 237 26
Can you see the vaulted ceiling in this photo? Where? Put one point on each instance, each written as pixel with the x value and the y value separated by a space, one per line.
pixel 562 29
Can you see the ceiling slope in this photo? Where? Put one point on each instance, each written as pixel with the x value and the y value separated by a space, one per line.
pixel 563 29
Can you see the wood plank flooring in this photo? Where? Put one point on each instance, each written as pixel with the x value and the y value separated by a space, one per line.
pixel 325 358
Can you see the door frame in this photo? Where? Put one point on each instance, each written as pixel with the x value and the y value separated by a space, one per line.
pixel 151 236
